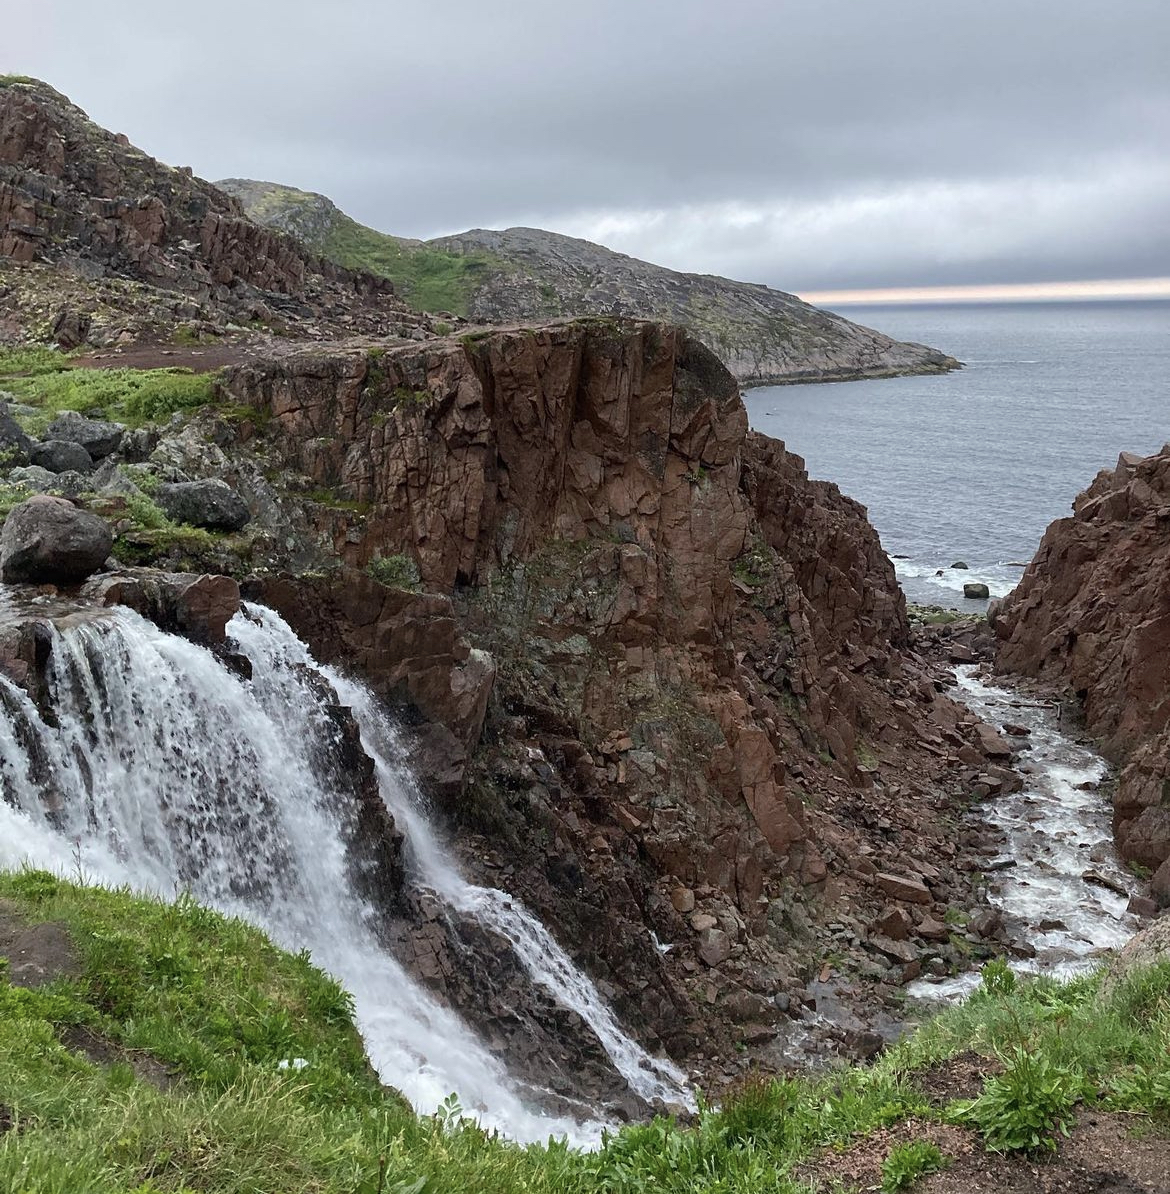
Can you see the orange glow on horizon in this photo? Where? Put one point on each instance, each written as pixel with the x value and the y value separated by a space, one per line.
pixel 1009 292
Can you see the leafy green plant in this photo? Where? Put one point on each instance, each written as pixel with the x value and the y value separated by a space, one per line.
pixel 998 978
pixel 395 572
pixel 906 1163
pixel 1027 1106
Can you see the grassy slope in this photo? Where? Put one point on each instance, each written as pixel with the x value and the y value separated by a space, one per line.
pixel 428 279
pixel 222 1008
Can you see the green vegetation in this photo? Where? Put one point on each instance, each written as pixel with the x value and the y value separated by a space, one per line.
pixel 200 1022
pixel 395 572
pixel 12 495
pixel 44 378
pixel 428 279
pixel 906 1163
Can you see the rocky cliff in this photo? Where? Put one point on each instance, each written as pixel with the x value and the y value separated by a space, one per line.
pixel 763 336
pixel 93 229
pixel 1092 615
pixel 702 722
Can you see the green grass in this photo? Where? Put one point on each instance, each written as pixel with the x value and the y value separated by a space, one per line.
pixel 428 279
pixel 45 379
pixel 218 1004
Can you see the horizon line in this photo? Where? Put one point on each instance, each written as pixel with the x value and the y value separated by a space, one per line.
pixel 1006 292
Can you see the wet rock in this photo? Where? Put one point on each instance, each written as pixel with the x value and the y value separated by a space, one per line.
pixel 198 607
pixel 1015 730
pixel 50 539
pixel 1106 881
pixel 901 887
pixel 959 653
pixel 61 455
pixel 96 436
pixel 990 743
pixel 959 564
pixel 976 591
pixel 1142 906
pixel 210 503
pixel 986 923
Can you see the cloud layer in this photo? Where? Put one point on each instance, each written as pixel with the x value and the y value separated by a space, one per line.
pixel 809 144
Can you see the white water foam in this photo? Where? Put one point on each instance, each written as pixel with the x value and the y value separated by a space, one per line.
pixel 168 772
pixel 543 959
pixel 1000 578
pixel 1051 827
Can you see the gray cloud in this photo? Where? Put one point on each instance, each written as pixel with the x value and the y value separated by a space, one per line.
pixel 806 143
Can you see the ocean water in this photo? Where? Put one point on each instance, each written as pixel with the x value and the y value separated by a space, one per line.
pixel 972 466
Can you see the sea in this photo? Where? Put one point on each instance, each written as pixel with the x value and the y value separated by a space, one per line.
pixel 970 467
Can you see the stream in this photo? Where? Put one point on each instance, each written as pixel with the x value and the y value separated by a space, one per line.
pixel 1057 831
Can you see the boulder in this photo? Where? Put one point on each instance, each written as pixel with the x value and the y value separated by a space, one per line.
pixel 902 887
pixel 976 591
pixel 70 328
pixel 959 564
pixel 50 539
pixel 61 455
pixel 14 444
pixel 714 946
pixel 96 436
pixel 211 503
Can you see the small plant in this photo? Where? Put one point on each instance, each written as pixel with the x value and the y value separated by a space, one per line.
pixel 906 1163
pixel 1025 1107
pixel 395 572
pixel 999 979
pixel 441 328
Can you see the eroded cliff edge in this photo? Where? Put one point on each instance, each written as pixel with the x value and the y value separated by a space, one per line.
pixel 681 717
pixel 1092 616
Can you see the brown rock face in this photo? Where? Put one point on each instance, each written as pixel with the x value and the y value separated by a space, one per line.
pixel 1092 613
pixel 701 704
pixel 74 194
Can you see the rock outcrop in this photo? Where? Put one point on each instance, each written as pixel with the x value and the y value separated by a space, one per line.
pixel 704 721
pixel 763 336
pixel 1092 615
pixel 102 242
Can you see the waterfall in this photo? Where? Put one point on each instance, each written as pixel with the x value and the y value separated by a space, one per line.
pixel 167 771
pixel 276 670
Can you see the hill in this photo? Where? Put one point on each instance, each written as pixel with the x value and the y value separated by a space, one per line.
pixel 764 336
pixel 102 243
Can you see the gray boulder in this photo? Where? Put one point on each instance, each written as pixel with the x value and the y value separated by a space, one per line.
pixel 96 436
pixel 62 455
pixel 976 591
pixel 50 539
pixel 211 503
pixel 14 444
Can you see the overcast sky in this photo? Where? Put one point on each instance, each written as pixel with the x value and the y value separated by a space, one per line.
pixel 809 144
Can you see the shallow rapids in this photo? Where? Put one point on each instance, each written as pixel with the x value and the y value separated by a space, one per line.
pixel 1057 829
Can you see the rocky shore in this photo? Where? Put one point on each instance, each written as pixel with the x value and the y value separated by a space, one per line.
pixel 1090 618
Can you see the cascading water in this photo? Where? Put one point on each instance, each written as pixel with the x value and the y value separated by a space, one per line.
pixel 1056 828
pixel 543 959
pixel 166 771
